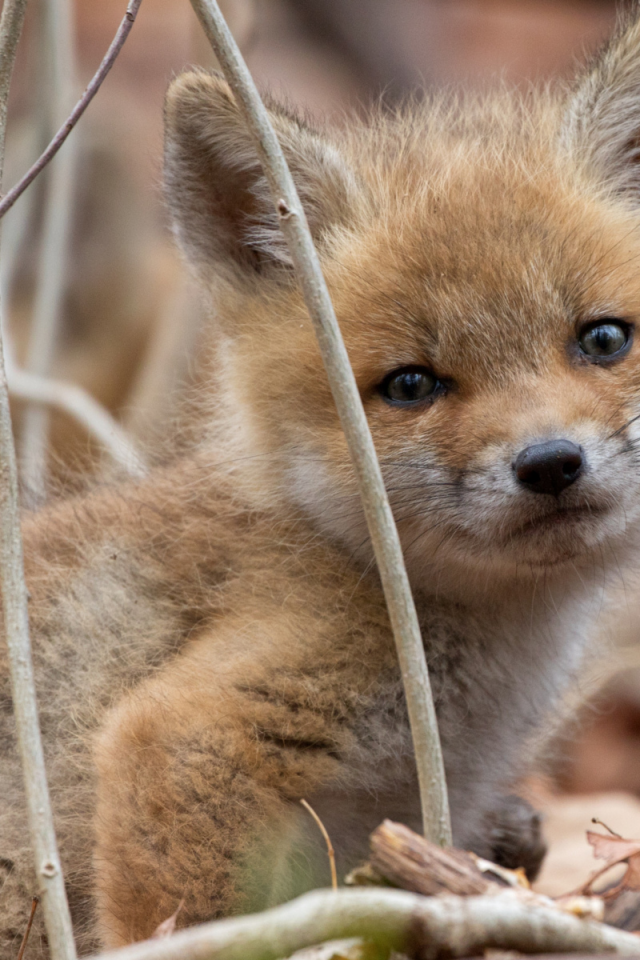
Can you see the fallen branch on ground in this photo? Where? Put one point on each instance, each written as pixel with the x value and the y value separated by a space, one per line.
pixel 406 860
pixel 428 927
pixel 412 863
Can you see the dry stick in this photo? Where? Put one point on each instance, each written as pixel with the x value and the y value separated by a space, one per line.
pixel 327 839
pixel 77 403
pixel 55 245
pixel 94 85
pixel 430 927
pixel 603 824
pixel 69 398
pixel 382 528
pixel 14 597
pixel 25 939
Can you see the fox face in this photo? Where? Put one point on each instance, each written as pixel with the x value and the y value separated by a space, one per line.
pixel 503 402
pixel 483 262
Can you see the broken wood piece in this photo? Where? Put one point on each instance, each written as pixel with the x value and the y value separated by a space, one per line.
pixel 406 860
pixel 409 861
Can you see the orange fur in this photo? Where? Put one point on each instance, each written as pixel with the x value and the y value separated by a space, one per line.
pixel 212 644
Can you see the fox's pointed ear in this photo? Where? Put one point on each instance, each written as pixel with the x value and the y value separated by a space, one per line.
pixel 218 196
pixel 602 122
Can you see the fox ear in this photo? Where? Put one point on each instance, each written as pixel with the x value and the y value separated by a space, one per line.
pixel 218 195
pixel 602 123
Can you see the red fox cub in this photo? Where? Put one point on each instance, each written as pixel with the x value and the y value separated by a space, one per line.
pixel 211 644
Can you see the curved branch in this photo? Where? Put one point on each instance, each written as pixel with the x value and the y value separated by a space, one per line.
pixel 56 234
pixel 94 85
pixel 80 405
pixel 14 596
pixel 394 920
pixel 380 522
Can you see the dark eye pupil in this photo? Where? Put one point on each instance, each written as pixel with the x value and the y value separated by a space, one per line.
pixel 409 386
pixel 603 340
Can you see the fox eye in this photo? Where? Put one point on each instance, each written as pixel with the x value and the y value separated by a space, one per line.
pixel 604 339
pixel 410 385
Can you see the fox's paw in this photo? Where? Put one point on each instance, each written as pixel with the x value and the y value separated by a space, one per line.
pixel 514 835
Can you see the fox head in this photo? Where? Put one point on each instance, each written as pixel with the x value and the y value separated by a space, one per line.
pixel 483 256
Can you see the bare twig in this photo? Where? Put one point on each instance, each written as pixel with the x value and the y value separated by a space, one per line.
pixel 25 939
pixel 94 85
pixel 430 927
pixel 168 927
pixel 55 245
pixel 14 596
pixel 602 824
pixel 69 398
pixel 80 405
pixel 327 839
pixel 382 528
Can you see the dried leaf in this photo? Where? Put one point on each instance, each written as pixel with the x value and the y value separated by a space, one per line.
pixel 168 926
pixel 614 850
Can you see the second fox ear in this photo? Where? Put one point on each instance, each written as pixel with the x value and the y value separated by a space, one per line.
pixel 218 195
pixel 602 122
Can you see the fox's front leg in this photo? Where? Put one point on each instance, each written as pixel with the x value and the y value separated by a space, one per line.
pixel 198 799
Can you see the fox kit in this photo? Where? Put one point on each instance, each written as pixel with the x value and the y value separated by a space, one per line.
pixel 211 644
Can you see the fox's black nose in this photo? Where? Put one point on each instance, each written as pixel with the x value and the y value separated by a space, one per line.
pixel 549 467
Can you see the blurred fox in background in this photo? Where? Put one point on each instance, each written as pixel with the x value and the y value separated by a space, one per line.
pixel 211 643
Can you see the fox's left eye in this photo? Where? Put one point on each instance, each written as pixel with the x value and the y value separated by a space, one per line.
pixel 410 385
pixel 604 339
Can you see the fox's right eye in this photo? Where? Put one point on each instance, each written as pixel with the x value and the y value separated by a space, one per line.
pixel 410 385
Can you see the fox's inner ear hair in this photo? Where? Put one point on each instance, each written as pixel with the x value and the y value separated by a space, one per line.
pixel 602 121
pixel 218 196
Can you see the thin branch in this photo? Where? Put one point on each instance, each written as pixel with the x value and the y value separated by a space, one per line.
pixel 327 839
pixel 25 939
pixel 96 82
pixel 14 596
pixel 55 245
pixel 431 927
pixel 77 403
pixel 382 528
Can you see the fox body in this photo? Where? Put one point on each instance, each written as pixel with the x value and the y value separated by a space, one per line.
pixel 211 644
